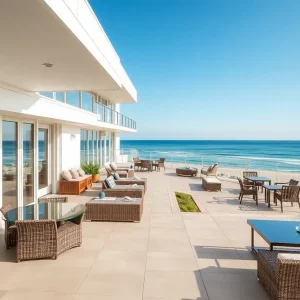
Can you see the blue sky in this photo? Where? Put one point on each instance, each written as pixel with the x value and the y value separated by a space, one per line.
pixel 209 69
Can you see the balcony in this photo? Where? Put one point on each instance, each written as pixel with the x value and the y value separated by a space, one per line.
pixel 92 103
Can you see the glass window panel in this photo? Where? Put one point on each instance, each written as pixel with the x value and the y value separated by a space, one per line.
pixel 87 101
pixel 43 157
pixel 83 146
pixel 59 96
pixel 28 162
pixel 47 94
pixel 72 98
pixel 90 144
pixel 95 147
pixel 103 150
pixel 9 163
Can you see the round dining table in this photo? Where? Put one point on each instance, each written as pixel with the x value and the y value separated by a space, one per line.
pixel 45 211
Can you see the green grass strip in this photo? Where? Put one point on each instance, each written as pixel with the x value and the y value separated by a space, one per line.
pixel 186 202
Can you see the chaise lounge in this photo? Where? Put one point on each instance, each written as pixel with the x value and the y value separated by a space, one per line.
pixel 210 170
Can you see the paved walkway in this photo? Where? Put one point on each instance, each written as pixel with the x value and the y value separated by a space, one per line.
pixel 167 256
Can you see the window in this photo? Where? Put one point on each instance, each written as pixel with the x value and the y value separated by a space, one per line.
pixel 9 163
pixel 47 94
pixel 72 98
pixel 59 96
pixel 87 101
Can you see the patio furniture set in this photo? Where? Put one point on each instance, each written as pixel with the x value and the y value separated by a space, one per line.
pixel 283 192
pixel 148 164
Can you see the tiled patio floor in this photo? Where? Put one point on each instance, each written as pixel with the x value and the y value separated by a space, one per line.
pixel 167 256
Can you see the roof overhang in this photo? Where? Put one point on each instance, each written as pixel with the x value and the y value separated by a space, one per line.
pixel 33 33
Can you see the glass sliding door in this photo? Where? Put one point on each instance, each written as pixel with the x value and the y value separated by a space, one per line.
pixel 9 163
pixel 43 159
pixel 28 163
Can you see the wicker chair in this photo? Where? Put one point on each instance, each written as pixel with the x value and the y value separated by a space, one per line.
pixel 291 182
pixel 136 163
pixel 53 199
pixel 289 193
pixel 247 190
pixel 279 274
pixel 146 164
pixel 131 181
pixel 246 181
pixel 10 230
pixel 43 239
pixel 160 164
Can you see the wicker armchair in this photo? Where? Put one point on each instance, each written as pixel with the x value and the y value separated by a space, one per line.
pixel 43 239
pixel 247 190
pixel 289 193
pixel 146 164
pixel 246 181
pixel 279 274
pixel 53 199
pixel 120 191
pixel 10 234
pixel 211 170
pixel 291 182
pixel 136 163
pixel 160 164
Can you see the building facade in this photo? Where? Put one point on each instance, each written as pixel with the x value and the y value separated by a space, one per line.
pixel 61 88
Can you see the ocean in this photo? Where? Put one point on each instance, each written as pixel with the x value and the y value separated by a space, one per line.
pixel 263 155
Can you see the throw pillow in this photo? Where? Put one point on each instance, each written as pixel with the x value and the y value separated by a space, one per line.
pixel 66 175
pixel 113 167
pixel 116 176
pixel 81 172
pixel 74 173
pixel 110 182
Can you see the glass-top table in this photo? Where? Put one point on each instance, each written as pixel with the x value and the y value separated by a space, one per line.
pixel 45 211
pixel 275 233
pixel 259 179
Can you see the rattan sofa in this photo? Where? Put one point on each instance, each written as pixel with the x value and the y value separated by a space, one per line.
pixel 38 239
pixel 75 186
pixel 279 274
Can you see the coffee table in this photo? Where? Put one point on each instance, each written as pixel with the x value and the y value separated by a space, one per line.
pixel 187 171
pixel 275 233
pixel 114 209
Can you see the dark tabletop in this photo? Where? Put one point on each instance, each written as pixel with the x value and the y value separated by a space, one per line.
pixel 277 232
pixel 259 178
pixel 187 168
pixel 273 187
pixel 46 211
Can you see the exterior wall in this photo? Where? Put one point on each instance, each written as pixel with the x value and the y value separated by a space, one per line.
pixel 70 150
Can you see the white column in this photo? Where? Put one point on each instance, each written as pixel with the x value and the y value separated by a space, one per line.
pixel 36 162
pixel 1 221
pixel 56 154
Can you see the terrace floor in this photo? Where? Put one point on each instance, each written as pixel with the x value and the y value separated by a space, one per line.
pixel 168 255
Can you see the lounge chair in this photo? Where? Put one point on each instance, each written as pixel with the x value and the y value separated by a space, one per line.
pixel 131 181
pixel 112 189
pixel 210 170
pixel 121 170
pixel 279 274
pixel 289 193
pixel 247 190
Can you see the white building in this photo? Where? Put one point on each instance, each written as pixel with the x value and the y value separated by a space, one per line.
pixel 61 86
